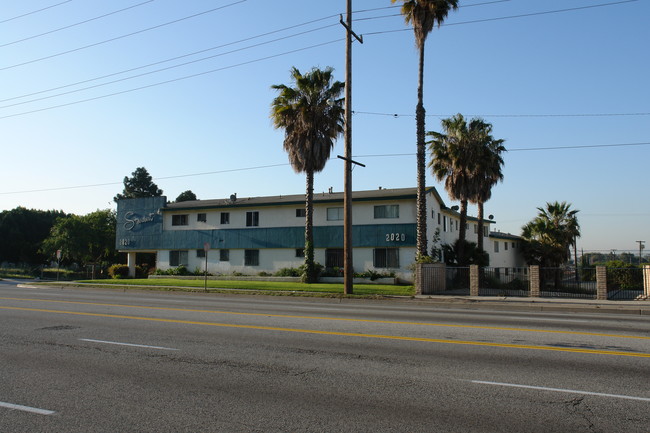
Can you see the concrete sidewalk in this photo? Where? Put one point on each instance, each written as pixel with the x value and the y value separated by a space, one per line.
pixel 540 304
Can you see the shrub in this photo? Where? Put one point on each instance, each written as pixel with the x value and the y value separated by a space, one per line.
pixel 118 271
pixel 288 272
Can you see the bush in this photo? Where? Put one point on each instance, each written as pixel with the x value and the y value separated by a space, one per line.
pixel 118 271
pixel 288 272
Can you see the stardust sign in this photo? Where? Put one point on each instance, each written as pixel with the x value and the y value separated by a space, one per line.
pixel 133 220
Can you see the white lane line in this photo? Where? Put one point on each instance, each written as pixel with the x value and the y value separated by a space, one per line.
pixel 569 391
pixel 126 344
pixel 26 408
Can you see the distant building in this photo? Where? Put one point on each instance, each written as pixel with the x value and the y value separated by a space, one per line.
pixel 264 234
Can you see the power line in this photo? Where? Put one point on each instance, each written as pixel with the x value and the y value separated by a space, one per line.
pixel 259 167
pixel 122 36
pixel 76 24
pixel 33 12
pixel 395 115
pixel 172 80
pixel 169 67
pixel 511 16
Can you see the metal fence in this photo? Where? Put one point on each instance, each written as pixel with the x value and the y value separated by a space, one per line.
pixel 503 282
pixel 457 280
pixel 566 283
pixel 624 283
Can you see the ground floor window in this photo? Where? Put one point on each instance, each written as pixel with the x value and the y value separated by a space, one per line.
pixel 224 255
pixel 334 258
pixel 386 258
pixel 300 252
pixel 200 254
pixel 251 257
pixel 178 258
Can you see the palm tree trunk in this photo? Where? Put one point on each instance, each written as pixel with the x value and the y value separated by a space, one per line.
pixel 462 235
pixel 310 275
pixel 479 243
pixel 421 163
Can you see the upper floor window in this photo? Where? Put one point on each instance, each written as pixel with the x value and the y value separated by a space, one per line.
pixel 252 219
pixel 300 213
pixel 225 217
pixel 202 217
pixel 505 246
pixel 387 211
pixel 496 246
pixel 179 220
pixel 334 214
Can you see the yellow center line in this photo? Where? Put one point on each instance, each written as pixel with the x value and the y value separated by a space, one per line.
pixel 344 334
pixel 389 322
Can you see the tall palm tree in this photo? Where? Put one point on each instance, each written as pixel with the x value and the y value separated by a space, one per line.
pixel 487 171
pixel 312 116
pixel 423 15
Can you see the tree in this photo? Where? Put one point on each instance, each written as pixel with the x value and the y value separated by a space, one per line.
pixel 186 196
pixel 139 185
pixel 487 172
pixel 83 239
pixel 548 237
pixel 423 15
pixel 22 232
pixel 312 115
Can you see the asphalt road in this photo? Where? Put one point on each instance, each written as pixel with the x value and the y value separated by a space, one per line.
pixel 111 361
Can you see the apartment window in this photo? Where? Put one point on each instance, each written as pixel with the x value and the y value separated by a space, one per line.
pixel 456 225
pixel 334 258
pixel 252 219
pixel 513 245
pixel 202 217
pixel 475 228
pixel 496 246
pixel 224 255
pixel 433 214
pixel 251 257
pixel 438 219
pixel 505 246
pixel 444 224
pixel 225 217
pixel 179 220
pixel 386 258
pixel 334 214
pixel 301 213
pixel 486 232
pixel 200 254
pixel 178 258
pixel 387 211
pixel 300 252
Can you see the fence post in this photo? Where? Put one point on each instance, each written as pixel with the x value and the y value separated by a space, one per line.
pixel 646 280
pixel 473 280
pixel 534 281
pixel 601 283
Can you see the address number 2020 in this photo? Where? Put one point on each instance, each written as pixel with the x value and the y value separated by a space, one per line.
pixel 395 237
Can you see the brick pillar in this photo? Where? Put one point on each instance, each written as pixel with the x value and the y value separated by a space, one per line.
pixel 473 280
pixel 418 278
pixel 533 275
pixel 646 280
pixel 130 260
pixel 601 283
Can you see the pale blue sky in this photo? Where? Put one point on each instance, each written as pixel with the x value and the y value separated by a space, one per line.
pixel 212 116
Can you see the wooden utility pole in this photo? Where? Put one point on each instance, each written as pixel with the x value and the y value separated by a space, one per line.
pixel 348 268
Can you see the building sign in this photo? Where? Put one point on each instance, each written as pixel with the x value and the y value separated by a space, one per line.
pixel 395 237
pixel 133 220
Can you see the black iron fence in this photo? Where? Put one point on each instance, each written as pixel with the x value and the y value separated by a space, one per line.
pixel 503 282
pixel 566 282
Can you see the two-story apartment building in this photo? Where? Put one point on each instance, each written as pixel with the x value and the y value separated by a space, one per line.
pixel 264 234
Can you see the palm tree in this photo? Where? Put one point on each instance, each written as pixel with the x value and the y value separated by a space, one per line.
pixel 487 172
pixel 423 15
pixel 548 237
pixel 312 116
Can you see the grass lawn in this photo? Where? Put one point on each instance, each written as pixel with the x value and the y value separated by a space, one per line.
pixel 266 286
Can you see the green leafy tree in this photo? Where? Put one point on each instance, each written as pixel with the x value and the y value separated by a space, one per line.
pixel 22 232
pixel 139 185
pixel 311 113
pixel 186 196
pixel 423 15
pixel 83 239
